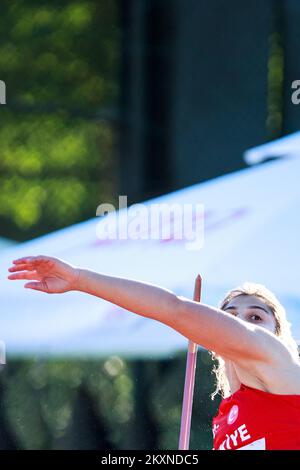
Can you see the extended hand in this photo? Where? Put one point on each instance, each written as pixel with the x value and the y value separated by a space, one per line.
pixel 51 275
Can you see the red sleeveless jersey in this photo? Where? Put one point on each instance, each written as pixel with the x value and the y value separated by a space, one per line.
pixel 251 419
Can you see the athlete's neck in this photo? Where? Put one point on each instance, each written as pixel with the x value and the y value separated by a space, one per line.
pixel 234 382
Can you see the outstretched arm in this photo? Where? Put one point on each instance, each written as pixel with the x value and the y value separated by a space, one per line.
pixel 210 327
pixel 53 276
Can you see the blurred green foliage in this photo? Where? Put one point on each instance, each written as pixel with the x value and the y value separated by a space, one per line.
pixel 94 404
pixel 60 63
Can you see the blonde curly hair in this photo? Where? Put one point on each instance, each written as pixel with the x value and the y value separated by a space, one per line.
pixel 282 330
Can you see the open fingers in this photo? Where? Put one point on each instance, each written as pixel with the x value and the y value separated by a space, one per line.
pixel 35 261
pixel 24 260
pixel 24 275
pixel 21 267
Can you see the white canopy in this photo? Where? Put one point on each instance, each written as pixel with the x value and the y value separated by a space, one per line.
pixel 287 146
pixel 5 243
pixel 252 232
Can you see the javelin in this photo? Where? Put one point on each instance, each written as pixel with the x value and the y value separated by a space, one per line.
pixel 189 383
